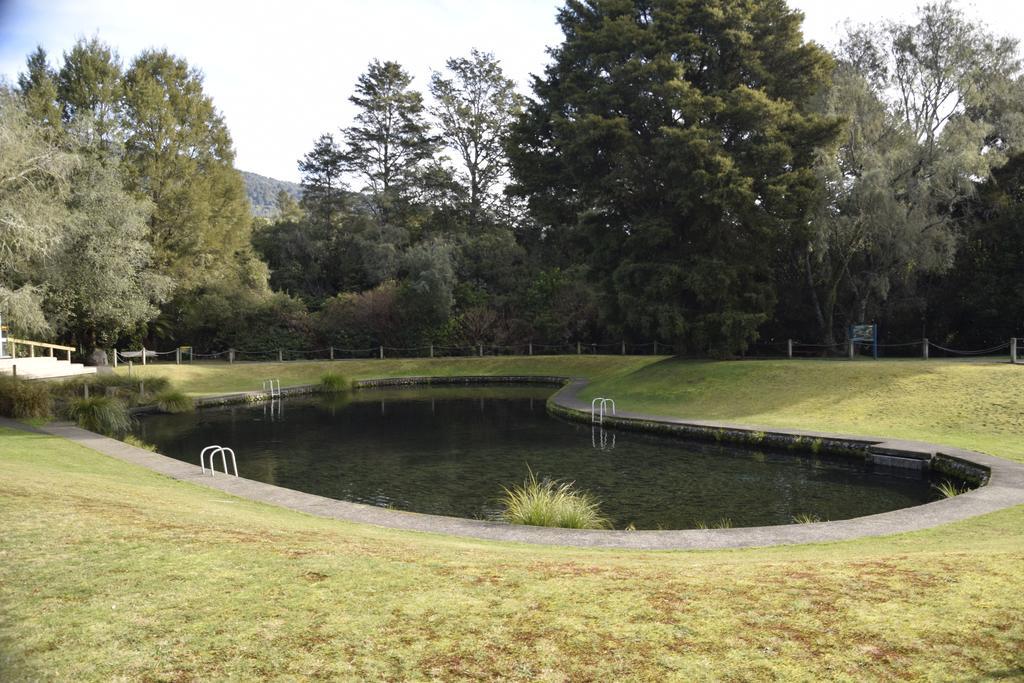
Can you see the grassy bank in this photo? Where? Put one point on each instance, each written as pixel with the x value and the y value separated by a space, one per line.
pixel 112 572
pixel 972 404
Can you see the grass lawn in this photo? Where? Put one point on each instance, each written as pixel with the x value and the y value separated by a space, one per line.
pixel 112 572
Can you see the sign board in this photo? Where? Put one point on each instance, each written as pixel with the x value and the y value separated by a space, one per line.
pixel 865 333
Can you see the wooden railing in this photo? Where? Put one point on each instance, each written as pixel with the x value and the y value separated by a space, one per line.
pixel 33 345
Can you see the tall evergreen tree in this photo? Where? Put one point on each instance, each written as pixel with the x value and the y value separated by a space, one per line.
pixel 675 137
pixel 391 138
pixel 90 91
pixel 38 88
pixel 178 153
pixel 476 106
pixel 323 190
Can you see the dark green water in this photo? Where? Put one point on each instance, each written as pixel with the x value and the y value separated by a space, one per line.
pixel 450 450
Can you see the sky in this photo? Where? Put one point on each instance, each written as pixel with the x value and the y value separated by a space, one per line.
pixel 281 72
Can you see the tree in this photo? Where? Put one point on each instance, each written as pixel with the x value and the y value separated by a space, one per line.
pixel 926 116
pixel 99 282
pixel 391 138
pixel 35 173
pixel 677 140
pixel 323 191
pixel 90 92
pixel 476 105
pixel 178 154
pixel 38 89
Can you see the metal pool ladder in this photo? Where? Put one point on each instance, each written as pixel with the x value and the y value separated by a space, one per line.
pixel 223 452
pixel 599 408
pixel 272 387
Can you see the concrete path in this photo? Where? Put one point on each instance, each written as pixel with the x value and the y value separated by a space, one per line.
pixel 1005 489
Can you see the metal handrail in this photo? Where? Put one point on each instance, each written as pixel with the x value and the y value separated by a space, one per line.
pixel 222 451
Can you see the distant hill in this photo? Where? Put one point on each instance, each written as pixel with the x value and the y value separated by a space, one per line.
pixel 263 191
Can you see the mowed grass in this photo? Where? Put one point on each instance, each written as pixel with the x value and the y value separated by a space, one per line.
pixel 112 572
pixel 976 404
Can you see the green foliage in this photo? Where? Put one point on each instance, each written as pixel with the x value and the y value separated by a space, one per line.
pixel 334 383
pixel 553 504
pixel 475 107
pixel 20 398
pixel 806 518
pixel 682 170
pixel 178 152
pixel 173 401
pixel 101 414
pixel 391 138
pixel 948 489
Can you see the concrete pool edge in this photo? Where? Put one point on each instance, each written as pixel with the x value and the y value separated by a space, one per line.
pixel 1005 487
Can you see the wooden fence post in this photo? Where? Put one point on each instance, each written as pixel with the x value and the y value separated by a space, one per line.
pixel 382 352
pixel 1013 350
pixel 578 349
pixel 231 356
pixel 924 348
pixel 789 349
pixel 143 355
pixel 280 355
pixel 431 350
pixel 115 357
pixel 655 347
pixel 332 353
pixel 623 347
pixel 849 351
pixel 177 356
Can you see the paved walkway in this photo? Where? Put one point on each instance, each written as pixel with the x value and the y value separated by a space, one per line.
pixel 1005 489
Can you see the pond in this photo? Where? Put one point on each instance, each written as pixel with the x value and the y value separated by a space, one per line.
pixel 450 451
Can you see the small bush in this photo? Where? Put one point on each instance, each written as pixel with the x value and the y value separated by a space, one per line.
pixel 806 518
pixel 133 440
pixel 174 401
pixel 20 398
pixel 333 383
pixel 948 489
pixel 100 414
pixel 552 503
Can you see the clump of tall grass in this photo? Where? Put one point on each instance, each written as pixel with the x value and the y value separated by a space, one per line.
pixel 948 489
pixel 552 503
pixel 806 518
pixel 133 440
pixel 21 398
pixel 174 401
pixel 334 383
pixel 101 414
pixel 723 523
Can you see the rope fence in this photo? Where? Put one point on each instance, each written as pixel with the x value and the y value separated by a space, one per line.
pixel 789 348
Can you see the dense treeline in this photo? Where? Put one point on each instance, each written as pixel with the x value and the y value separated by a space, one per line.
pixel 691 172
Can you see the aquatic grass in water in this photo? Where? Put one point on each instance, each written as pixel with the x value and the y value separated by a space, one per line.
pixel 334 383
pixel 948 489
pixel 806 518
pixel 101 414
pixel 174 401
pixel 552 503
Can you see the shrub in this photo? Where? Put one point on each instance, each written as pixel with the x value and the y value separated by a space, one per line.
pixel 948 489
pixel 21 398
pixel 552 503
pixel 101 414
pixel 806 518
pixel 333 383
pixel 174 401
